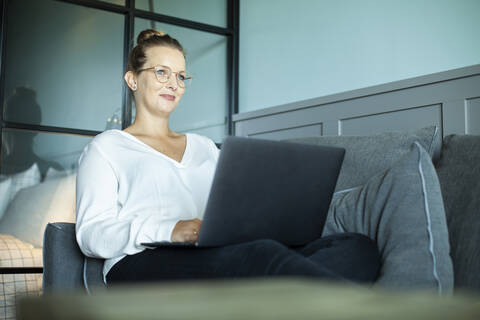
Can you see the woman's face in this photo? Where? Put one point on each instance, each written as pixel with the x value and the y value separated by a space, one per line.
pixel 157 97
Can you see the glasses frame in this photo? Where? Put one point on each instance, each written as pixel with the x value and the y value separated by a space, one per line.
pixel 155 68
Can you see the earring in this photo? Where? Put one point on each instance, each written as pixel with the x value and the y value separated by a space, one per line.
pixel 134 87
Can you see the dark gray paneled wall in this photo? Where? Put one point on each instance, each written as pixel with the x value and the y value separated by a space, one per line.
pixel 450 100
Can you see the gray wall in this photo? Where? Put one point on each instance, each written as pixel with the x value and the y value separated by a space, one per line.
pixel 450 100
pixel 296 50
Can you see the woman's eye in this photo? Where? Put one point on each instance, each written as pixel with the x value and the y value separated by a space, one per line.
pixel 181 77
pixel 161 72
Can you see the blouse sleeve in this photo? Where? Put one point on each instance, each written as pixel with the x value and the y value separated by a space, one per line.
pixel 101 230
pixel 214 150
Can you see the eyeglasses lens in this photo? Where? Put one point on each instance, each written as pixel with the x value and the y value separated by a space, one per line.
pixel 163 74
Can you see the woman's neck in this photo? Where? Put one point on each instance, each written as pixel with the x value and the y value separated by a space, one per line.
pixel 151 126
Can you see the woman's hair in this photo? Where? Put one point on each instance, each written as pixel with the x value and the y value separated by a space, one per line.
pixel 146 39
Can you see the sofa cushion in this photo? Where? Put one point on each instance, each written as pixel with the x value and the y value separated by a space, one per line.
pixel 402 210
pixel 459 174
pixel 367 155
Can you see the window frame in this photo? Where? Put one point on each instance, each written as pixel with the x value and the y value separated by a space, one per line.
pixel 130 13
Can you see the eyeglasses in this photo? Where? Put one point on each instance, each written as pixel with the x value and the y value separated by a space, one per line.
pixel 163 73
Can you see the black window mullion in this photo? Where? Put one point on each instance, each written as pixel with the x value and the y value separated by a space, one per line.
pixel 232 65
pixel 3 39
pixel 128 45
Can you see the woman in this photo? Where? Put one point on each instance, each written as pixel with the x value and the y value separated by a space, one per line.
pixel 148 183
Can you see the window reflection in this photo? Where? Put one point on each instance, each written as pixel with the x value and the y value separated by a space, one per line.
pixel 115 120
pixel 52 154
pixel 37 176
pixel 23 105
pixel 71 55
pixel 17 149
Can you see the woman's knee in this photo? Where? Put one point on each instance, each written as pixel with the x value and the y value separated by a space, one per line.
pixel 354 256
pixel 359 243
pixel 367 255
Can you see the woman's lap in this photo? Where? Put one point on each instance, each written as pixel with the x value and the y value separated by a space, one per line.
pixel 330 258
pixel 352 255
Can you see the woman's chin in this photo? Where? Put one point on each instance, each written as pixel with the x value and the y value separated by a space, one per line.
pixel 163 109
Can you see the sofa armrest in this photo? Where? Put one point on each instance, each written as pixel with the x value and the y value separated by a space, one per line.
pixel 63 262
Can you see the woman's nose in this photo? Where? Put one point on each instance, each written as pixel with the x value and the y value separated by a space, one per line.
pixel 172 82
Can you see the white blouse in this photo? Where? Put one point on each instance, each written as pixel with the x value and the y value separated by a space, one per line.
pixel 129 193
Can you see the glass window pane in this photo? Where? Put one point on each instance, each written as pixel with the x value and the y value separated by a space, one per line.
pixel 64 64
pixel 52 152
pixel 203 108
pixel 205 11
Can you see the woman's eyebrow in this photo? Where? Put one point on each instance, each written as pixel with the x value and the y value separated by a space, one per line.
pixel 164 65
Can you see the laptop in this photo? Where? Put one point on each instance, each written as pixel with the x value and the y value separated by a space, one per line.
pixel 265 189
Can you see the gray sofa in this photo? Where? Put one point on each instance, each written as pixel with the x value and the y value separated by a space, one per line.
pixel 457 164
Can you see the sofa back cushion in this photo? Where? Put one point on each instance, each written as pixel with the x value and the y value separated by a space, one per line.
pixel 391 194
pixel 459 174
pixel 402 210
pixel 365 156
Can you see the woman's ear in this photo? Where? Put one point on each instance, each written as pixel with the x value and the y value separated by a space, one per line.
pixel 131 80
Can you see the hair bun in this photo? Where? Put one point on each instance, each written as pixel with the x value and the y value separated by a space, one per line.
pixel 145 35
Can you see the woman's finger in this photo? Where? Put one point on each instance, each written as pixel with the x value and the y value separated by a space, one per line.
pixel 190 236
pixel 195 235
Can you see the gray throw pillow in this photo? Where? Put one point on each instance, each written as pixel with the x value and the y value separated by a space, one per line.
pixel 367 155
pixel 402 210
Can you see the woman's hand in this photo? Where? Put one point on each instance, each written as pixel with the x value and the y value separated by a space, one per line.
pixel 186 230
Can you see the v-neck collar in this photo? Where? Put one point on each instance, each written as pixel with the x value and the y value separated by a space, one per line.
pixel 177 163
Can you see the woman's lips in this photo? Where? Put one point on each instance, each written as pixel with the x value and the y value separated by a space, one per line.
pixel 168 97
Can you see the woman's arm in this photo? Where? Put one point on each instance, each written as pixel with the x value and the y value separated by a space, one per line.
pixel 101 229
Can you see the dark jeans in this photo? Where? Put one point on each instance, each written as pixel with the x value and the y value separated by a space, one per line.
pixel 346 256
